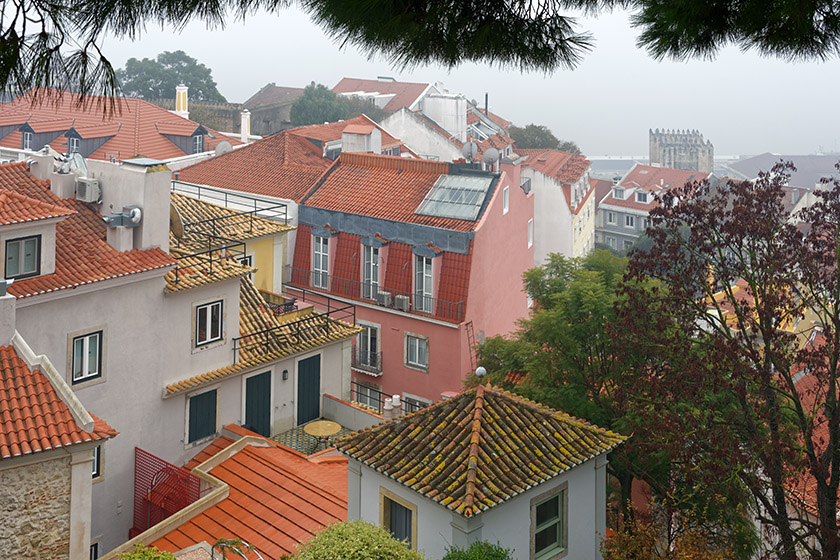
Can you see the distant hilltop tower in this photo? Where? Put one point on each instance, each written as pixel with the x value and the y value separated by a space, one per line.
pixel 681 149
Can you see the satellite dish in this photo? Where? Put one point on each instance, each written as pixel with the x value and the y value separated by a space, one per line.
pixel 222 147
pixel 491 156
pixel 176 224
pixel 469 150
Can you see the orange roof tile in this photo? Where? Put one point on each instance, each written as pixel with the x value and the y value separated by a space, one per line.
pixel 473 118
pixel 16 208
pixel 651 179
pixel 33 417
pixel 140 126
pixel 479 448
pixel 328 132
pixel 82 256
pixel 406 93
pixel 278 498
pixel 563 166
pixel 387 187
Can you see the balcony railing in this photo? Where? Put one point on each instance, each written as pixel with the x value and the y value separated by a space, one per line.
pixel 262 207
pixel 383 296
pixel 366 361
pixel 372 397
pixel 208 260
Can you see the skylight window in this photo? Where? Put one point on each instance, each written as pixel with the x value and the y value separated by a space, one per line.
pixel 455 196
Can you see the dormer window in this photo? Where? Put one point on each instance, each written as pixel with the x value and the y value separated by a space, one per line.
pixel 642 197
pixel 27 141
pixel 23 257
pixel 72 145
pixel 618 193
pixel 198 143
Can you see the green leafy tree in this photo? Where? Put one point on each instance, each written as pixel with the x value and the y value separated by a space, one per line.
pixel 354 540
pixel 58 43
pixel 535 136
pixel 739 400
pixel 359 106
pixel 318 104
pixel 158 78
pixel 479 550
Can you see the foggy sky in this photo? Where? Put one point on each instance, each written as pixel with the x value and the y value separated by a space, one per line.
pixel 743 103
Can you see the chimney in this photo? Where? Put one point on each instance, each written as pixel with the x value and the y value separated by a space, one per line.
pixel 396 402
pixel 7 314
pixel 388 409
pixel 486 104
pixel 181 101
pixel 245 125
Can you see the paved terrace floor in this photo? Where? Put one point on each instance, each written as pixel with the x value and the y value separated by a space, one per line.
pixel 299 440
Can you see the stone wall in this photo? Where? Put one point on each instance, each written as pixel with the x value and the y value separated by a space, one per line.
pixel 681 149
pixel 35 510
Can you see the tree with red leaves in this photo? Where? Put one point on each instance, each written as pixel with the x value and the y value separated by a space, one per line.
pixel 743 341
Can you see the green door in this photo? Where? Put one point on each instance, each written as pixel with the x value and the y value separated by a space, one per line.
pixel 309 389
pixel 258 403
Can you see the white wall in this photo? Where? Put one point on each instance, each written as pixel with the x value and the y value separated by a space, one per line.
pixel 552 219
pixel 418 135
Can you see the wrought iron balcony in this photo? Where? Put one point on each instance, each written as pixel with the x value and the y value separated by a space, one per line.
pixel 367 361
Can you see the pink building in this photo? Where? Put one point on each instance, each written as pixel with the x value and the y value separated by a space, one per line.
pixel 432 255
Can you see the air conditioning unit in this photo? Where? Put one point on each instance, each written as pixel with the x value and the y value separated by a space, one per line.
pixel 383 299
pixel 403 303
pixel 87 189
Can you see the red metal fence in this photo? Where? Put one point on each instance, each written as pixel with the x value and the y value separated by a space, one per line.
pixel 160 490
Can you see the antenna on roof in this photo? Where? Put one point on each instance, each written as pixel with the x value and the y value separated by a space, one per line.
pixel 469 150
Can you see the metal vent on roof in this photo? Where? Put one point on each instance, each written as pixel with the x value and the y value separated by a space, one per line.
pixel 455 196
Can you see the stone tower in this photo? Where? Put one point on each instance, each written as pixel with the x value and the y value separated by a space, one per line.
pixel 681 149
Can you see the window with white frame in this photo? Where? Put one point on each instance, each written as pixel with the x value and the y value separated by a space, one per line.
pixel 73 145
pixel 198 143
pixel 208 323
pixel 505 200
pixel 416 351
pixel 611 218
pixel 646 223
pixel 248 260
pixel 321 262
pixel 96 471
pixel 618 193
pixel 367 346
pixel 549 526
pixel 641 196
pixel 368 395
pixel 423 284
pixel 611 242
pixel 23 257
pixel 370 272
pixel 530 233
pixel 629 221
pixel 27 141
pixel 87 357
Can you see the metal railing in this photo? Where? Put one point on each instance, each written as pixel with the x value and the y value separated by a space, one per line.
pixel 214 228
pixel 365 360
pixel 290 335
pixel 408 302
pixel 372 397
pixel 262 207
pixel 208 258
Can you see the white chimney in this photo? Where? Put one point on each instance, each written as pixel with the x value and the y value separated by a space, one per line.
pixel 397 404
pixel 245 125
pixel 388 409
pixel 182 102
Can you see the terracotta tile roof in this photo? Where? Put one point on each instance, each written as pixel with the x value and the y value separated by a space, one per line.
pixel 328 132
pixel 563 166
pixel 478 449
pixel 473 118
pixel 203 219
pixel 271 94
pixel 406 93
pixel 499 141
pixel 33 417
pixel 283 165
pixel 278 498
pixel 82 256
pixel 16 208
pixel 194 270
pixel 387 187
pixel 602 188
pixel 221 442
pixel 138 128
pixel 287 339
pixel 652 180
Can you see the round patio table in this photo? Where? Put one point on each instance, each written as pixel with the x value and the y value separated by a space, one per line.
pixel 322 429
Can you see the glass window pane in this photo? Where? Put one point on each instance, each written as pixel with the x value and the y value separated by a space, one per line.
pixel 78 357
pixel 201 325
pixel 548 510
pixel 421 352
pixel 30 256
pixel 546 538
pixel 216 321
pixel 12 258
pixel 93 354
pixel 400 522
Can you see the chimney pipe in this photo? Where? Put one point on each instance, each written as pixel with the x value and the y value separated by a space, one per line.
pixel 388 409
pixel 181 101
pixel 245 125
pixel 397 404
pixel 486 104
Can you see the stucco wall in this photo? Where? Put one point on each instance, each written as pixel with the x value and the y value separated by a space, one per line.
pixel 552 218
pixel 420 136
pixel 35 510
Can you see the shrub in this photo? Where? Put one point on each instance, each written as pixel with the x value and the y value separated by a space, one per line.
pixel 480 550
pixel 354 540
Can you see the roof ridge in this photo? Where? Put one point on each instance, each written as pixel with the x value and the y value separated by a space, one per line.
pixel 472 457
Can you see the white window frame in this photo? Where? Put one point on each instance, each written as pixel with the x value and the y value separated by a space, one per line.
pixel 630 221
pixel 417 342
pixel 85 372
pixel 73 144
pixel 611 219
pixel 560 522
pixel 641 197
pixel 96 468
pixel 363 343
pixel 28 138
pixel 370 272
pixel 320 262
pixel 366 394
pixel 18 245
pixel 423 284
pixel 618 193
pixel 198 143
pixel 505 200
pixel 611 243
pixel 210 336
pixel 530 233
